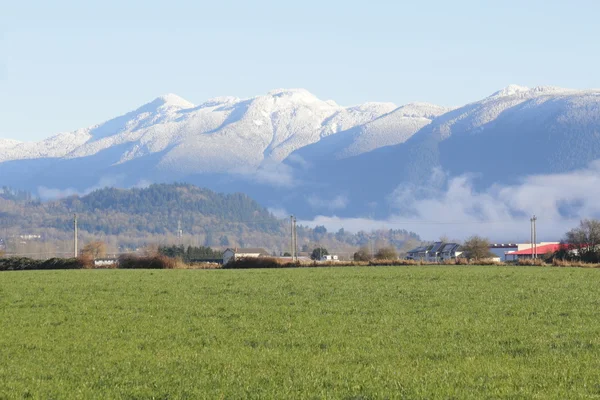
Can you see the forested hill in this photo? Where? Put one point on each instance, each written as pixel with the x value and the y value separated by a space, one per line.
pixel 179 201
pixel 131 218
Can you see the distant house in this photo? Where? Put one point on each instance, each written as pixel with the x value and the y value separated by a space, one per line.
pixel 236 254
pixel 449 251
pixel 105 262
pixel 438 251
pixel 330 257
pixel 420 253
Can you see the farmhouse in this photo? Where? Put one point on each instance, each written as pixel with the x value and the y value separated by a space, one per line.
pixel 438 251
pixel 449 251
pixel 330 257
pixel 236 254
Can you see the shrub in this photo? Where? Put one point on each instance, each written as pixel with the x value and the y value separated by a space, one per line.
pixel 532 262
pixel 202 265
pixel 86 260
pixel 489 262
pixel 362 254
pixel 28 264
pixel 130 261
pixel 260 262
pixel 573 263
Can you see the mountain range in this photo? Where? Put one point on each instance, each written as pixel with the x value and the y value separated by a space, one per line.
pixel 292 151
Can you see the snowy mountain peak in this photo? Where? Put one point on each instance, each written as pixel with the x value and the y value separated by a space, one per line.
pixel 421 110
pixel 220 101
pixel 510 90
pixel 172 100
pixel 299 95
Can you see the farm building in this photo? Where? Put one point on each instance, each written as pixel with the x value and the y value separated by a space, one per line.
pixel 330 257
pixel 501 249
pixel 236 254
pixel 528 251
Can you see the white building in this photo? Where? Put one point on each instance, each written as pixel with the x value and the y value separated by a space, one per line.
pixel 330 257
pixel 105 262
pixel 236 254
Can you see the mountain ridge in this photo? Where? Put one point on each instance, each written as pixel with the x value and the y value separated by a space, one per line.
pixel 353 157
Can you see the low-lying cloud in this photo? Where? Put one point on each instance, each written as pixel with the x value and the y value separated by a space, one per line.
pixel 500 213
pixel 277 175
pixel 46 193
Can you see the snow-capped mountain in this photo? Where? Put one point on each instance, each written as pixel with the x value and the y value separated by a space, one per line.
pixel 220 135
pixel 263 131
pixel 356 155
pixel 513 133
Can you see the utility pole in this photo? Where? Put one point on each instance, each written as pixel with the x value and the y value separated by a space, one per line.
pixel 292 237
pixel 295 241
pixel 75 247
pixel 533 234
pixel 534 237
pixel 179 233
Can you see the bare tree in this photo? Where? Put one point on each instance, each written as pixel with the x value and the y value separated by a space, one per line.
pixel 584 241
pixel 96 249
pixel 386 253
pixel 477 247
pixel 363 254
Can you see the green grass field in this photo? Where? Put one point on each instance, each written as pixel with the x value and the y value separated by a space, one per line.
pixel 347 333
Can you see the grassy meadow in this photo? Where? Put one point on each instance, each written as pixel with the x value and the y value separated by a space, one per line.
pixel 341 333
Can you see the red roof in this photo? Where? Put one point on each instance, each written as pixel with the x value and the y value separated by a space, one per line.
pixel 547 248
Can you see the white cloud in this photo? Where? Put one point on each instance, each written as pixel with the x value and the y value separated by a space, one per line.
pixel 46 193
pixel 279 175
pixel 295 159
pixel 500 213
pixel 279 212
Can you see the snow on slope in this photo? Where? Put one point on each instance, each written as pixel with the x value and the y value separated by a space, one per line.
pixel 220 135
pixel 514 132
pixel 56 146
pixel 474 116
pixel 392 128
pixel 264 130
pixel 6 143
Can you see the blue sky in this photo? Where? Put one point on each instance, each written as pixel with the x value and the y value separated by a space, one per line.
pixel 70 64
